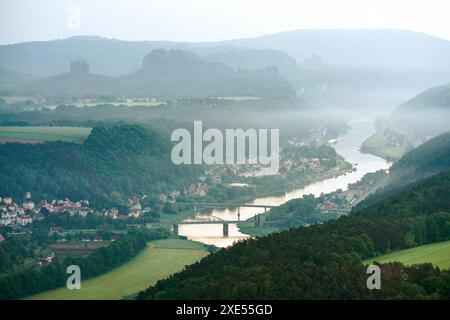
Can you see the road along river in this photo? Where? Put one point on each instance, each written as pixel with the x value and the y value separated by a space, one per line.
pixel 347 146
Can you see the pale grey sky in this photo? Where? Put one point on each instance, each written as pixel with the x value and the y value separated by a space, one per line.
pixel 211 20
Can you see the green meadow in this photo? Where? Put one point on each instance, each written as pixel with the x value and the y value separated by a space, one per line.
pixel 44 133
pixel 159 260
pixel 436 253
pixel 376 144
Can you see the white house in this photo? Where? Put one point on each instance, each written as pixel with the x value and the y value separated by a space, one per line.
pixel 28 205
pixel 11 215
pixel 25 220
pixel 5 222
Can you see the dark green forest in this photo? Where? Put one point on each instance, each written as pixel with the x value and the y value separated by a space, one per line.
pixel 324 261
pixel 111 164
pixel 428 159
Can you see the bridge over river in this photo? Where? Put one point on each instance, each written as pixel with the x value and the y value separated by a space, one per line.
pixel 211 219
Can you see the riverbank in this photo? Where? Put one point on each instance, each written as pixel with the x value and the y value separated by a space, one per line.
pixel 167 220
pixel 264 190
pixel 159 260
pixel 376 145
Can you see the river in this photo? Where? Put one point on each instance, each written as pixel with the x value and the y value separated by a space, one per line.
pixel 347 146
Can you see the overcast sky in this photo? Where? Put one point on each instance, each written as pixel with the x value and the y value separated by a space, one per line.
pixel 211 20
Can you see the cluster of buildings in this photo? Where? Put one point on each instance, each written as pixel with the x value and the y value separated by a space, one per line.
pixel 135 210
pixel 74 208
pixel 334 201
pixel 199 188
pixel 21 215
pixel 170 197
pixel 394 139
pixel 317 136
pixel 302 164
pixel 16 215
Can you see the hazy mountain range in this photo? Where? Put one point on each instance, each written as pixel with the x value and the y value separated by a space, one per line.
pixel 337 61
pixel 166 73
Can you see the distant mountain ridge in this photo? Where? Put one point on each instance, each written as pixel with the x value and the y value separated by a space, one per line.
pixel 390 48
pixel 167 73
pixel 10 79
pixel 363 47
pixel 353 60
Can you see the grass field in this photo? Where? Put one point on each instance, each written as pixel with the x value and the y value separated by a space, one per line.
pixel 376 145
pixel 437 253
pixel 159 260
pixel 44 133
pixel 250 229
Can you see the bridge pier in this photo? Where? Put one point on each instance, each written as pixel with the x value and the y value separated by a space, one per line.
pixel 225 230
pixel 175 228
pixel 257 220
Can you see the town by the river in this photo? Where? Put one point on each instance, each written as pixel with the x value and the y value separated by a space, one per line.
pixel 348 146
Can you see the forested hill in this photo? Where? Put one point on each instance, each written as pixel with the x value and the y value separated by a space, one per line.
pixel 111 163
pixel 325 261
pixel 434 98
pixel 11 79
pixel 429 158
pixel 184 74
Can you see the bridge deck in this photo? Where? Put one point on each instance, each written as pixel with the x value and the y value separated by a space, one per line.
pixel 210 222
pixel 226 205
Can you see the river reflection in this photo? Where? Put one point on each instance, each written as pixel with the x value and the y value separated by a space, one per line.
pixel 347 146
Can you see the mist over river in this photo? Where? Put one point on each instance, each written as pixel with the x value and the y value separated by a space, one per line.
pixel 347 146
